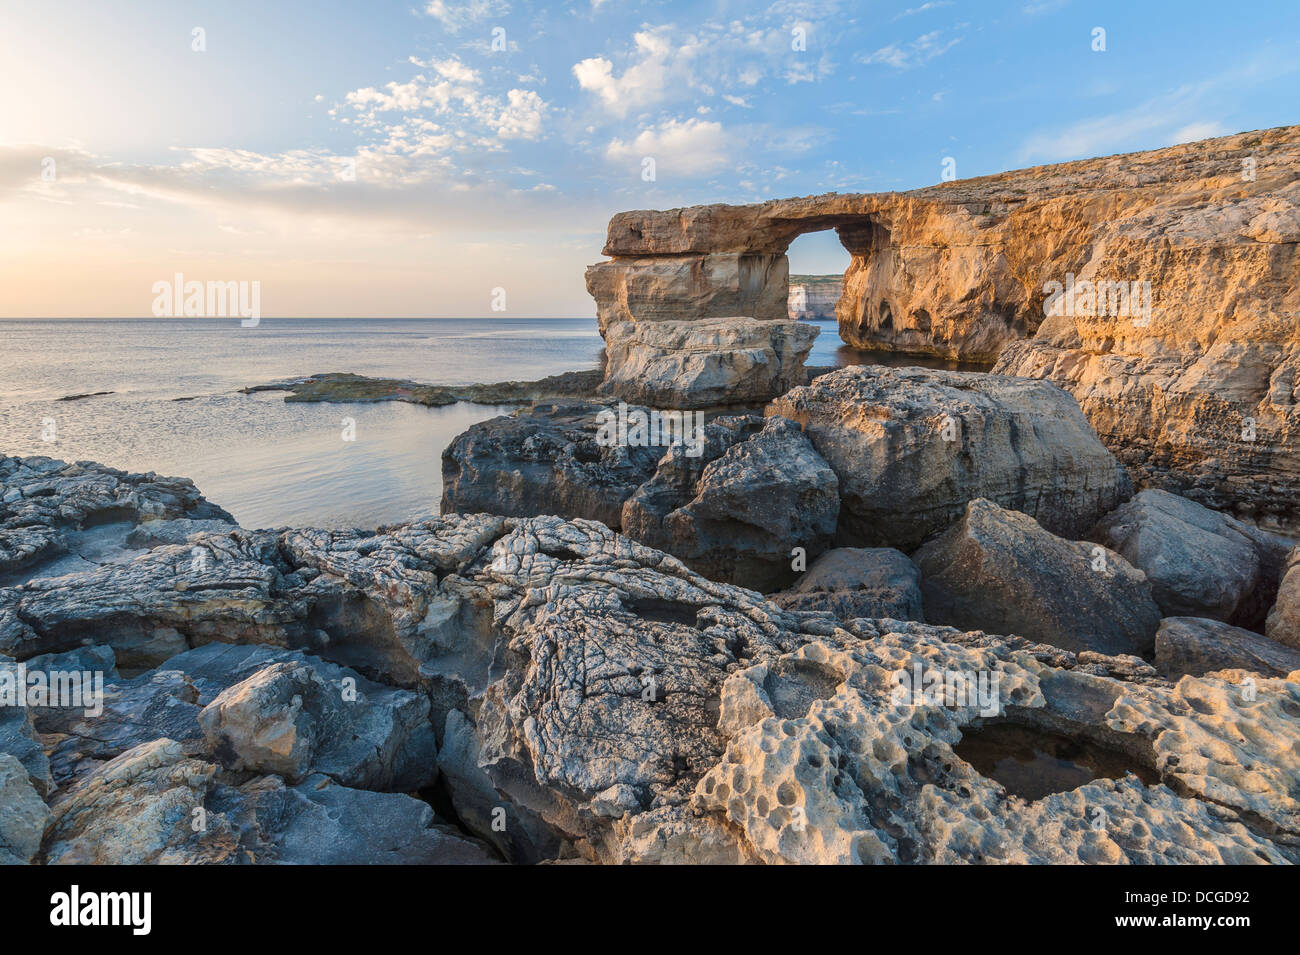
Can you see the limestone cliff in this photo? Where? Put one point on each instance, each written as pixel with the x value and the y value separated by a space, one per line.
pixel 814 296
pixel 1161 288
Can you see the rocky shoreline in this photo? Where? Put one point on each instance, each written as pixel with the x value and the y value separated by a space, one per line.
pixel 706 604
pixel 478 687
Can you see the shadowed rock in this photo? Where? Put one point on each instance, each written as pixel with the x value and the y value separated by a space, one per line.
pixel 1195 646
pixel 1200 563
pixel 851 583
pixel 1000 571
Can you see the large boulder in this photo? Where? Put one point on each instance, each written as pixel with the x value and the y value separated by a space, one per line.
pixel 1195 646
pixel 739 516
pixel 733 498
pixel 911 446
pixel 1001 571
pixel 853 582
pixel 1200 563
pixel 705 363
pixel 294 718
pixel 1283 624
pixel 550 458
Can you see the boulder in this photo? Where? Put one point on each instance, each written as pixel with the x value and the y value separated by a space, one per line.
pixel 855 582
pixel 1283 624
pixel 764 494
pixel 23 815
pixel 1200 563
pixel 1001 571
pixel 706 363
pixel 547 459
pixel 1195 646
pixel 911 446
pixel 288 719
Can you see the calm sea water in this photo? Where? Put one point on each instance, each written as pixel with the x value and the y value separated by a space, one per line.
pixel 269 463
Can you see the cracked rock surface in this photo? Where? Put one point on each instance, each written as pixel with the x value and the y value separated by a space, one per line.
pixel 613 705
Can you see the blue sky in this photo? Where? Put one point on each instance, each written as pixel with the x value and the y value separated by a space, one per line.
pixel 384 159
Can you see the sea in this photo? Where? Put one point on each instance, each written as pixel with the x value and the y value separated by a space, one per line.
pixel 172 403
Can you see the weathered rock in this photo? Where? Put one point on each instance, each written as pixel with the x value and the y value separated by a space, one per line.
pixel 23 815
pixel 516 833
pixel 1200 563
pixel 152 533
pixel 851 582
pixel 1000 571
pixel 833 768
pixel 958 269
pixel 1283 624
pixel 763 494
pixel 638 711
pixel 706 363
pixel 289 719
pixel 156 705
pixel 1195 646
pixel 1200 397
pixel 673 288
pixel 43 502
pixel 547 460
pixel 911 446
pixel 18 736
pixel 218 587
pixel 142 808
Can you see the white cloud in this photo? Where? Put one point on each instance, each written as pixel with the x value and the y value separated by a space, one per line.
pixel 918 52
pixel 643 83
pixel 689 148
pixel 522 118
pixel 454 16
pixel 924 8
pixel 1205 129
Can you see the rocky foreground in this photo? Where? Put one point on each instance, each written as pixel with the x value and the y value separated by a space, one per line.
pixel 473 688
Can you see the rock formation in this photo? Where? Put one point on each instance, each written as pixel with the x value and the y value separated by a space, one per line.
pixel 1194 646
pixel 1000 571
pixel 614 706
pixel 732 497
pixel 814 297
pixel 1283 624
pixel 704 364
pixel 853 582
pixel 1192 382
pixel 1200 563
pixel 912 446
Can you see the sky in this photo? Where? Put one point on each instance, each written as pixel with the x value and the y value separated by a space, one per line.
pixel 388 159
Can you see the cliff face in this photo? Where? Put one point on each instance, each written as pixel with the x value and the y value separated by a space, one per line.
pixel 814 297
pixel 959 269
pixel 1172 279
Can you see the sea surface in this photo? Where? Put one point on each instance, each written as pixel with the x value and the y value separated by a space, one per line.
pixel 175 407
